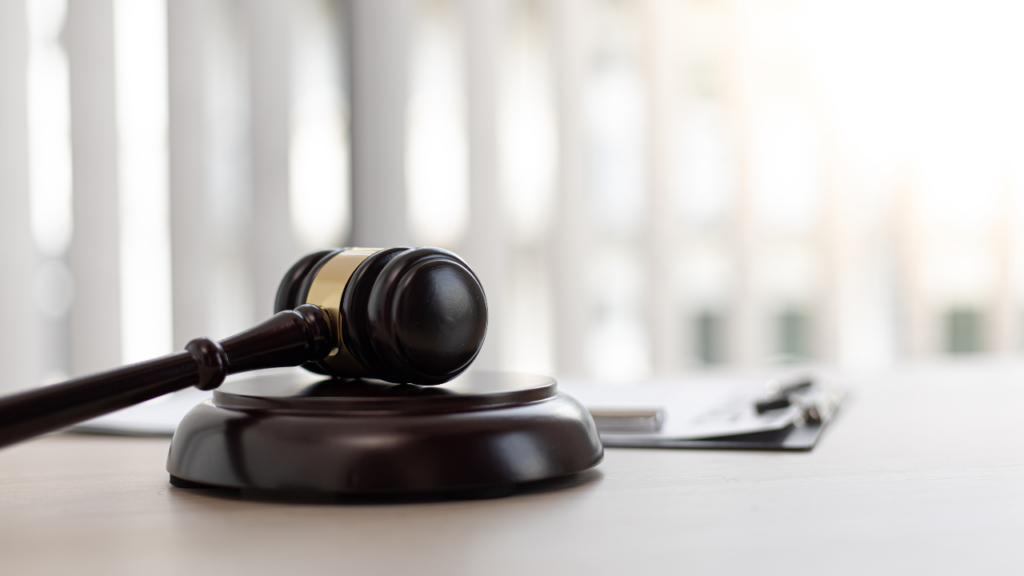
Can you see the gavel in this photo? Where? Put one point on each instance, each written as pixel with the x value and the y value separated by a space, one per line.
pixel 403 315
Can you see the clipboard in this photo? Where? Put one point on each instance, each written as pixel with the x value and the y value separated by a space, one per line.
pixel 788 414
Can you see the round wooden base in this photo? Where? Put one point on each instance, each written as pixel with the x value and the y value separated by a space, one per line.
pixel 291 432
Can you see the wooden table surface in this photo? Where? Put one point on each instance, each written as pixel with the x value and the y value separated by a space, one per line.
pixel 922 472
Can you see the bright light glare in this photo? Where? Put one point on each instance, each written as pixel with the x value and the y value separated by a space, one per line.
pixel 933 84
pixel 526 128
pixel 49 131
pixel 140 31
pixel 319 157
pixel 785 171
pixel 527 161
pixel 437 169
pixel 615 117
pixel 705 166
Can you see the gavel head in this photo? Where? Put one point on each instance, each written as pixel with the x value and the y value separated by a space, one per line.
pixel 407 315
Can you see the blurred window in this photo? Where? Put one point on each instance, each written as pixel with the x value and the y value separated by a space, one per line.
pixel 709 338
pixel 963 331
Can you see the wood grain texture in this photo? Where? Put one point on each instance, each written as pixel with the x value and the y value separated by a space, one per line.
pixel 923 472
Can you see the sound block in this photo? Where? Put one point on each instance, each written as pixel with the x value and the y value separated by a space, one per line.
pixel 294 432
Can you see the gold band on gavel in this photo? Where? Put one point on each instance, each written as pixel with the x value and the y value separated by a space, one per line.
pixel 326 291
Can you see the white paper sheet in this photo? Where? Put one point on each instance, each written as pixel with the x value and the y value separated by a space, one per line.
pixel 692 411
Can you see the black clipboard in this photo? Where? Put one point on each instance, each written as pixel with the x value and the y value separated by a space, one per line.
pixel 787 414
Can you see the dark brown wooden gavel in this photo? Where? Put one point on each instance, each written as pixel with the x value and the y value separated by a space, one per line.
pixel 404 315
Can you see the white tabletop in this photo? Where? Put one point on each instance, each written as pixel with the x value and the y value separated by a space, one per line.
pixel 922 472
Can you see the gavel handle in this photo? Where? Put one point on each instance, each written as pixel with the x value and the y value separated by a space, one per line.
pixel 288 338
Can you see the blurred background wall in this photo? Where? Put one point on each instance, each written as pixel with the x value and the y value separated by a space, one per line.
pixel 646 187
